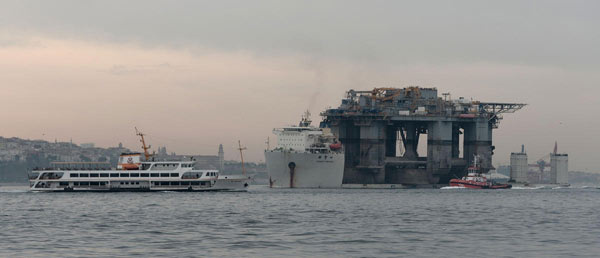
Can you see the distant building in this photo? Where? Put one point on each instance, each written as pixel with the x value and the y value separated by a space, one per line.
pixel 87 145
pixel 559 164
pixel 518 167
pixel 162 151
pixel 202 161
pixel 221 158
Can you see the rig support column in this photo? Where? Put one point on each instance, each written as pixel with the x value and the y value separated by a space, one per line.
pixel 372 151
pixel 439 149
pixel 478 141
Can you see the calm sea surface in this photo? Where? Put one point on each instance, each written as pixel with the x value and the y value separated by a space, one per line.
pixel 267 223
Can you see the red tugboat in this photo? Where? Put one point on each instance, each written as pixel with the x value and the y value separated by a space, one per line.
pixel 476 180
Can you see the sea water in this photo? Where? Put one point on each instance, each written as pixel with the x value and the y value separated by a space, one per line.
pixel 302 223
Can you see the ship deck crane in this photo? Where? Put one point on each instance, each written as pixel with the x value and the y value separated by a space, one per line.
pixel 146 148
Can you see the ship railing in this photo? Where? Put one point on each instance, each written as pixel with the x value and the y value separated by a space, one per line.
pixel 319 150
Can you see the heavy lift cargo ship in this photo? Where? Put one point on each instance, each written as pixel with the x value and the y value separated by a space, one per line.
pixel 305 157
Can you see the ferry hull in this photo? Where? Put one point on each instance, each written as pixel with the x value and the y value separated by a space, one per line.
pixel 304 170
pixel 135 190
pixel 232 183
pixel 220 186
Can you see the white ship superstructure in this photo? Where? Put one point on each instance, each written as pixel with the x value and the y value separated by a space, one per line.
pixel 151 176
pixel 133 174
pixel 305 157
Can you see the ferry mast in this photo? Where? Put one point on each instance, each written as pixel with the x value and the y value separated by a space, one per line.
pixel 146 148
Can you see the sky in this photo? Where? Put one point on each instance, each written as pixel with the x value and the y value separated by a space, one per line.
pixel 195 74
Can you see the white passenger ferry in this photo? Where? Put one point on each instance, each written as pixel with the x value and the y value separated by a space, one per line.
pixel 132 174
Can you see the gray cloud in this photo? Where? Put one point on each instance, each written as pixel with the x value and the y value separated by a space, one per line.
pixel 560 33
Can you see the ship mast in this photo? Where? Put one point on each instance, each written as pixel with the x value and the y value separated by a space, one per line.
pixel 268 142
pixel 242 156
pixel 305 122
pixel 146 148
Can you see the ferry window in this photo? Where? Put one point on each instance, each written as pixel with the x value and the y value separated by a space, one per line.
pixel 84 183
pixel 145 166
pixel 104 175
pixel 185 183
pixel 84 175
pixel 76 183
pixel 74 175
pixel 167 166
pixel 124 175
pixel 93 175
pixel 164 183
pixel 102 183
pixel 94 183
pixel 144 175
pixel 135 175
pixel 195 183
pixel 114 174
pixel 137 183
pixel 63 183
pixel 174 174
pixel 202 183
pixel 156 183
pixel 174 183
pixel 122 182
pixel 154 174
pixel 164 174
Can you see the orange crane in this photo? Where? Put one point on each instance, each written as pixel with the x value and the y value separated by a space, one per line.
pixel 146 148
pixel 384 94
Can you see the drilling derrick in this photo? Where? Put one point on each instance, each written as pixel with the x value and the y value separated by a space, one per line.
pixel 381 130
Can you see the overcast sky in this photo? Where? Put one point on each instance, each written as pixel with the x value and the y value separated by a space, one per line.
pixel 193 74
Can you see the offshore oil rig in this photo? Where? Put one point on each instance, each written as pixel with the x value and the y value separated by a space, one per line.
pixel 381 129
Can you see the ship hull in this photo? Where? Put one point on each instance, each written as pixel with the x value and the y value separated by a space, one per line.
pixel 477 185
pixel 219 186
pixel 304 170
